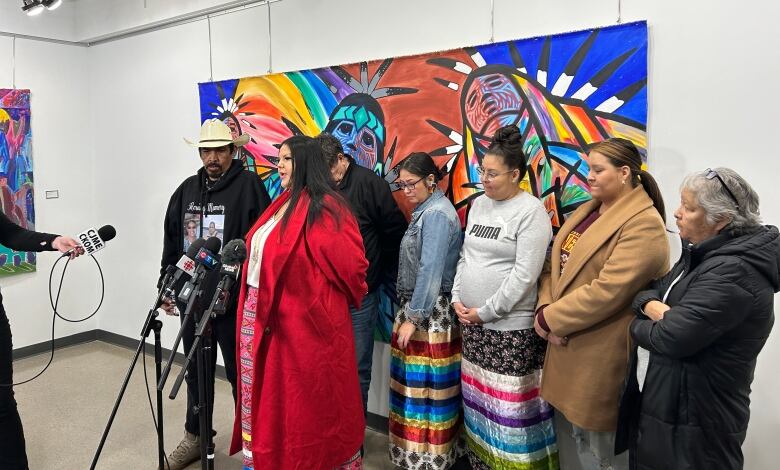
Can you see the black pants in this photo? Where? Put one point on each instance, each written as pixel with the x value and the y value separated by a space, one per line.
pixel 12 454
pixel 223 332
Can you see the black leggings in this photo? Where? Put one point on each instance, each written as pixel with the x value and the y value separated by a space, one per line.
pixel 12 453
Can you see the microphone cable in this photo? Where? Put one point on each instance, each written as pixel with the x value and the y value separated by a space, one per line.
pixel 54 302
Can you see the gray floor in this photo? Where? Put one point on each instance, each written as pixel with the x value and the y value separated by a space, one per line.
pixel 65 410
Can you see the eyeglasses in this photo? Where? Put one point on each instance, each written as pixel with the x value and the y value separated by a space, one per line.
pixel 408 186
pixel 490 175
pixel 714 174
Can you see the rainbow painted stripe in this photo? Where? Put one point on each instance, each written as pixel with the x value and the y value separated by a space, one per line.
pixel 508 425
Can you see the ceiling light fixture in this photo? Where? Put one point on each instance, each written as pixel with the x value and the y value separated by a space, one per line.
pixel 32 7
pixel 52 4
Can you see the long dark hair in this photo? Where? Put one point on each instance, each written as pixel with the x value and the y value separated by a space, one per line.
pixel 622 152
pixel 507 143
pixel 310 174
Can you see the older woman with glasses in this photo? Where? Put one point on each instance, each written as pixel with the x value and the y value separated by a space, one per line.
pixel 495 294
pixel 425 402
pixel 704 324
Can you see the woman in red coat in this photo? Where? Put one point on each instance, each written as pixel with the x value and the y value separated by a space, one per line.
pixel 299 401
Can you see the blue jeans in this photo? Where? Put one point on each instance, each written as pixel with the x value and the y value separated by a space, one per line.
pixel 363 324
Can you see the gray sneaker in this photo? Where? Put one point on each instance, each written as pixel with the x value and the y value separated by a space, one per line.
pixel 185 453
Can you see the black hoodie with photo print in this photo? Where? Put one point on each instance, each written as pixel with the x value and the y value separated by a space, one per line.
pixel 233 202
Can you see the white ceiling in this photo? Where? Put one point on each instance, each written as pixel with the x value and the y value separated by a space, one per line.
pixel 90 20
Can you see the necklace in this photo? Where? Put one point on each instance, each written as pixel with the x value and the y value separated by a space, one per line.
pixel 259 237
pixel 210 184
pixel 280 212
pixel 264 231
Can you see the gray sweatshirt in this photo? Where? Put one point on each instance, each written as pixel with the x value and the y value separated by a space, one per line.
pixel 501 260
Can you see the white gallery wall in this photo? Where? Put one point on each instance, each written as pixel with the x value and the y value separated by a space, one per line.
pixel 62 160
pixel 108 125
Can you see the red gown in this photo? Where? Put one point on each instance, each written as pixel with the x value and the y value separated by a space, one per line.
pixel 307 410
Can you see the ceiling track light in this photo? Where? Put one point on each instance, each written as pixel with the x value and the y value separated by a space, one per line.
pixel 36 7
pixel 32 7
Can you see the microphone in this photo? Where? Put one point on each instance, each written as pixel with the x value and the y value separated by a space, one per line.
pixel 206 256
pixel 186 265
pixel 206 260
pixel 93 240
pixel 169 271
pixel 233 256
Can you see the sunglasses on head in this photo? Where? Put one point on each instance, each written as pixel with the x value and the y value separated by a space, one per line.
pixel 714 174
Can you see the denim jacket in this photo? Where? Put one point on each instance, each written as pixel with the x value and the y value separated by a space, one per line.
pixel 429 255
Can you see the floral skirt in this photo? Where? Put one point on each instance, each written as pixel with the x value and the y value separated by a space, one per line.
pixel 508 424
pixel 246 376
pixel 426 418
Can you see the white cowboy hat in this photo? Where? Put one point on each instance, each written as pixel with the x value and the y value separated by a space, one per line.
pixel 215 133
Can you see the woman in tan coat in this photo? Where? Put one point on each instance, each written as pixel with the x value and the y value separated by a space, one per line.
pixel 609 249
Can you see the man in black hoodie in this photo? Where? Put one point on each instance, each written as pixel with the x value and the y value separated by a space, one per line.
pixel 382 226
pixel 225 195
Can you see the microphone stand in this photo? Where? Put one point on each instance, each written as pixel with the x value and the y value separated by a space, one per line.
pixel 202 346
pixel 195 293
pixel 151 324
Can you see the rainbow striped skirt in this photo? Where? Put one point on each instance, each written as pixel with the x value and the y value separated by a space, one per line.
pixel 508 424
pixel 426 418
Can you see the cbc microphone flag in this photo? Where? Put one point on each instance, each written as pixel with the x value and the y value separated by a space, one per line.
pixel 186 264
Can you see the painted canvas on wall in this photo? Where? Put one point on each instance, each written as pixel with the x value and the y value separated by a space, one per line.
pixel 564 92
pixel 16 174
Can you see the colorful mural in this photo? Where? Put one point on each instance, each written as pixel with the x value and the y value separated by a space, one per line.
pixel 16 175
pixel 564 92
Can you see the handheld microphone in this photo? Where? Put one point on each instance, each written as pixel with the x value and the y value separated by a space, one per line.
pixel 206 260
pixel 93 240
pixel 233 256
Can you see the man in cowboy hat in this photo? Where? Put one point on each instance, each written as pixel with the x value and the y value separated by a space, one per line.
pixel 222 190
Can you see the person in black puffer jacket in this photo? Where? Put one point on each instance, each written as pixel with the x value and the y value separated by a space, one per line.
pixel 702 326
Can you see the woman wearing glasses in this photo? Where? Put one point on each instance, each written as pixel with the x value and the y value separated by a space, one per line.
pixel 494 296
pixel 704 324
pixel 607 251
pixel 425 402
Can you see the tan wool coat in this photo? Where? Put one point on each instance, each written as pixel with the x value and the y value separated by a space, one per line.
pixel 590 303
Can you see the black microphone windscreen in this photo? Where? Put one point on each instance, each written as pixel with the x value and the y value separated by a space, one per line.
pixel 213 244
pixel 195 248
pixel 234 252
pixel 107 232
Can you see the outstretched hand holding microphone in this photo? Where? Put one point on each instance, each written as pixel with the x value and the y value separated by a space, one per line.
pixel 68 246
pixel 12 452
